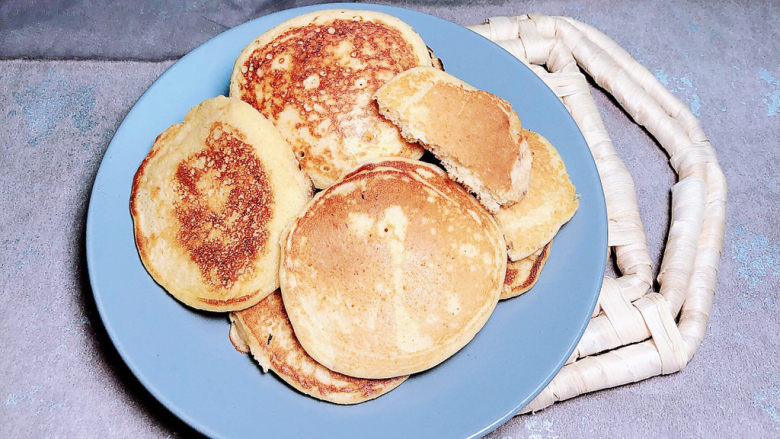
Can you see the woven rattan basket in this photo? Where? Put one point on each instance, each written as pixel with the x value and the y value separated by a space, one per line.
pixel 635 332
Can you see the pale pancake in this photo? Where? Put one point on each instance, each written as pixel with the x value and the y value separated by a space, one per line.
pixel 391 270
pixel 551 201
pixel 314 76
pixel 475 134
pixel 522 275
pixel 210 201
pixel 266 330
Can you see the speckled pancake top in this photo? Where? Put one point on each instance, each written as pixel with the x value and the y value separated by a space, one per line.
pixel 314 76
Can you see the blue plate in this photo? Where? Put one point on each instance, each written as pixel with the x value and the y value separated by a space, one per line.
pixel 184 358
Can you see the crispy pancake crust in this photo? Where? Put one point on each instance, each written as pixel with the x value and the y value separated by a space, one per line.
pixel 314 76
pixel 522 275
pixel 551 201
pixel 475 134
pixel 266 329
pixel 209 203
pixel 391 270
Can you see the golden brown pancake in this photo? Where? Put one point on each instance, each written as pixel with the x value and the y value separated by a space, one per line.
pixel 550 202
pixel 210 201
pixel 475 134
pixel 522 275
pixel 266 330
pixel 391 270
pixel 314 76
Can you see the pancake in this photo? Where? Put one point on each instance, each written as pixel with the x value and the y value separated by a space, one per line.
pixel 266 331
pixel 210 201
pixel 551 201
pixel 522 275
pixel 314 76
pixel 475 134
pixel 391 270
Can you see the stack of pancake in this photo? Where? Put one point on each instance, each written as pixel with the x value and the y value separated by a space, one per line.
pixel 396 263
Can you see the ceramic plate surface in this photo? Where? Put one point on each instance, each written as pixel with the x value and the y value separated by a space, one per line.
pixel 184 358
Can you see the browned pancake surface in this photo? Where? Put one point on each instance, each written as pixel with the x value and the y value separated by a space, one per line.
pixel 522 275
pixel 315 76
pixel 223 206
pixel 551 201
pixel 391 270
pixel 481 138
pixel 267 330
pixel 476 135
pixel 209 203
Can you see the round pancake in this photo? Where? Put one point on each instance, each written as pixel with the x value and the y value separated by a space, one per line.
pixel 314 76
pixel 391 270
pixel 550 202
pixel 522 275
pixel 209 204
pixel 266 330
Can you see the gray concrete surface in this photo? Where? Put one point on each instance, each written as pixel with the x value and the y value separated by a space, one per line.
pixel 72 69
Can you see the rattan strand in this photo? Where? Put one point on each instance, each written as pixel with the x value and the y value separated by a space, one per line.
pixel 635 332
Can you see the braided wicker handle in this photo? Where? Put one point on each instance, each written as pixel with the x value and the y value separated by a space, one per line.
pixel 633 333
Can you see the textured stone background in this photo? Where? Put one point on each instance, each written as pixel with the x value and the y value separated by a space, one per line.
pixel 72 69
